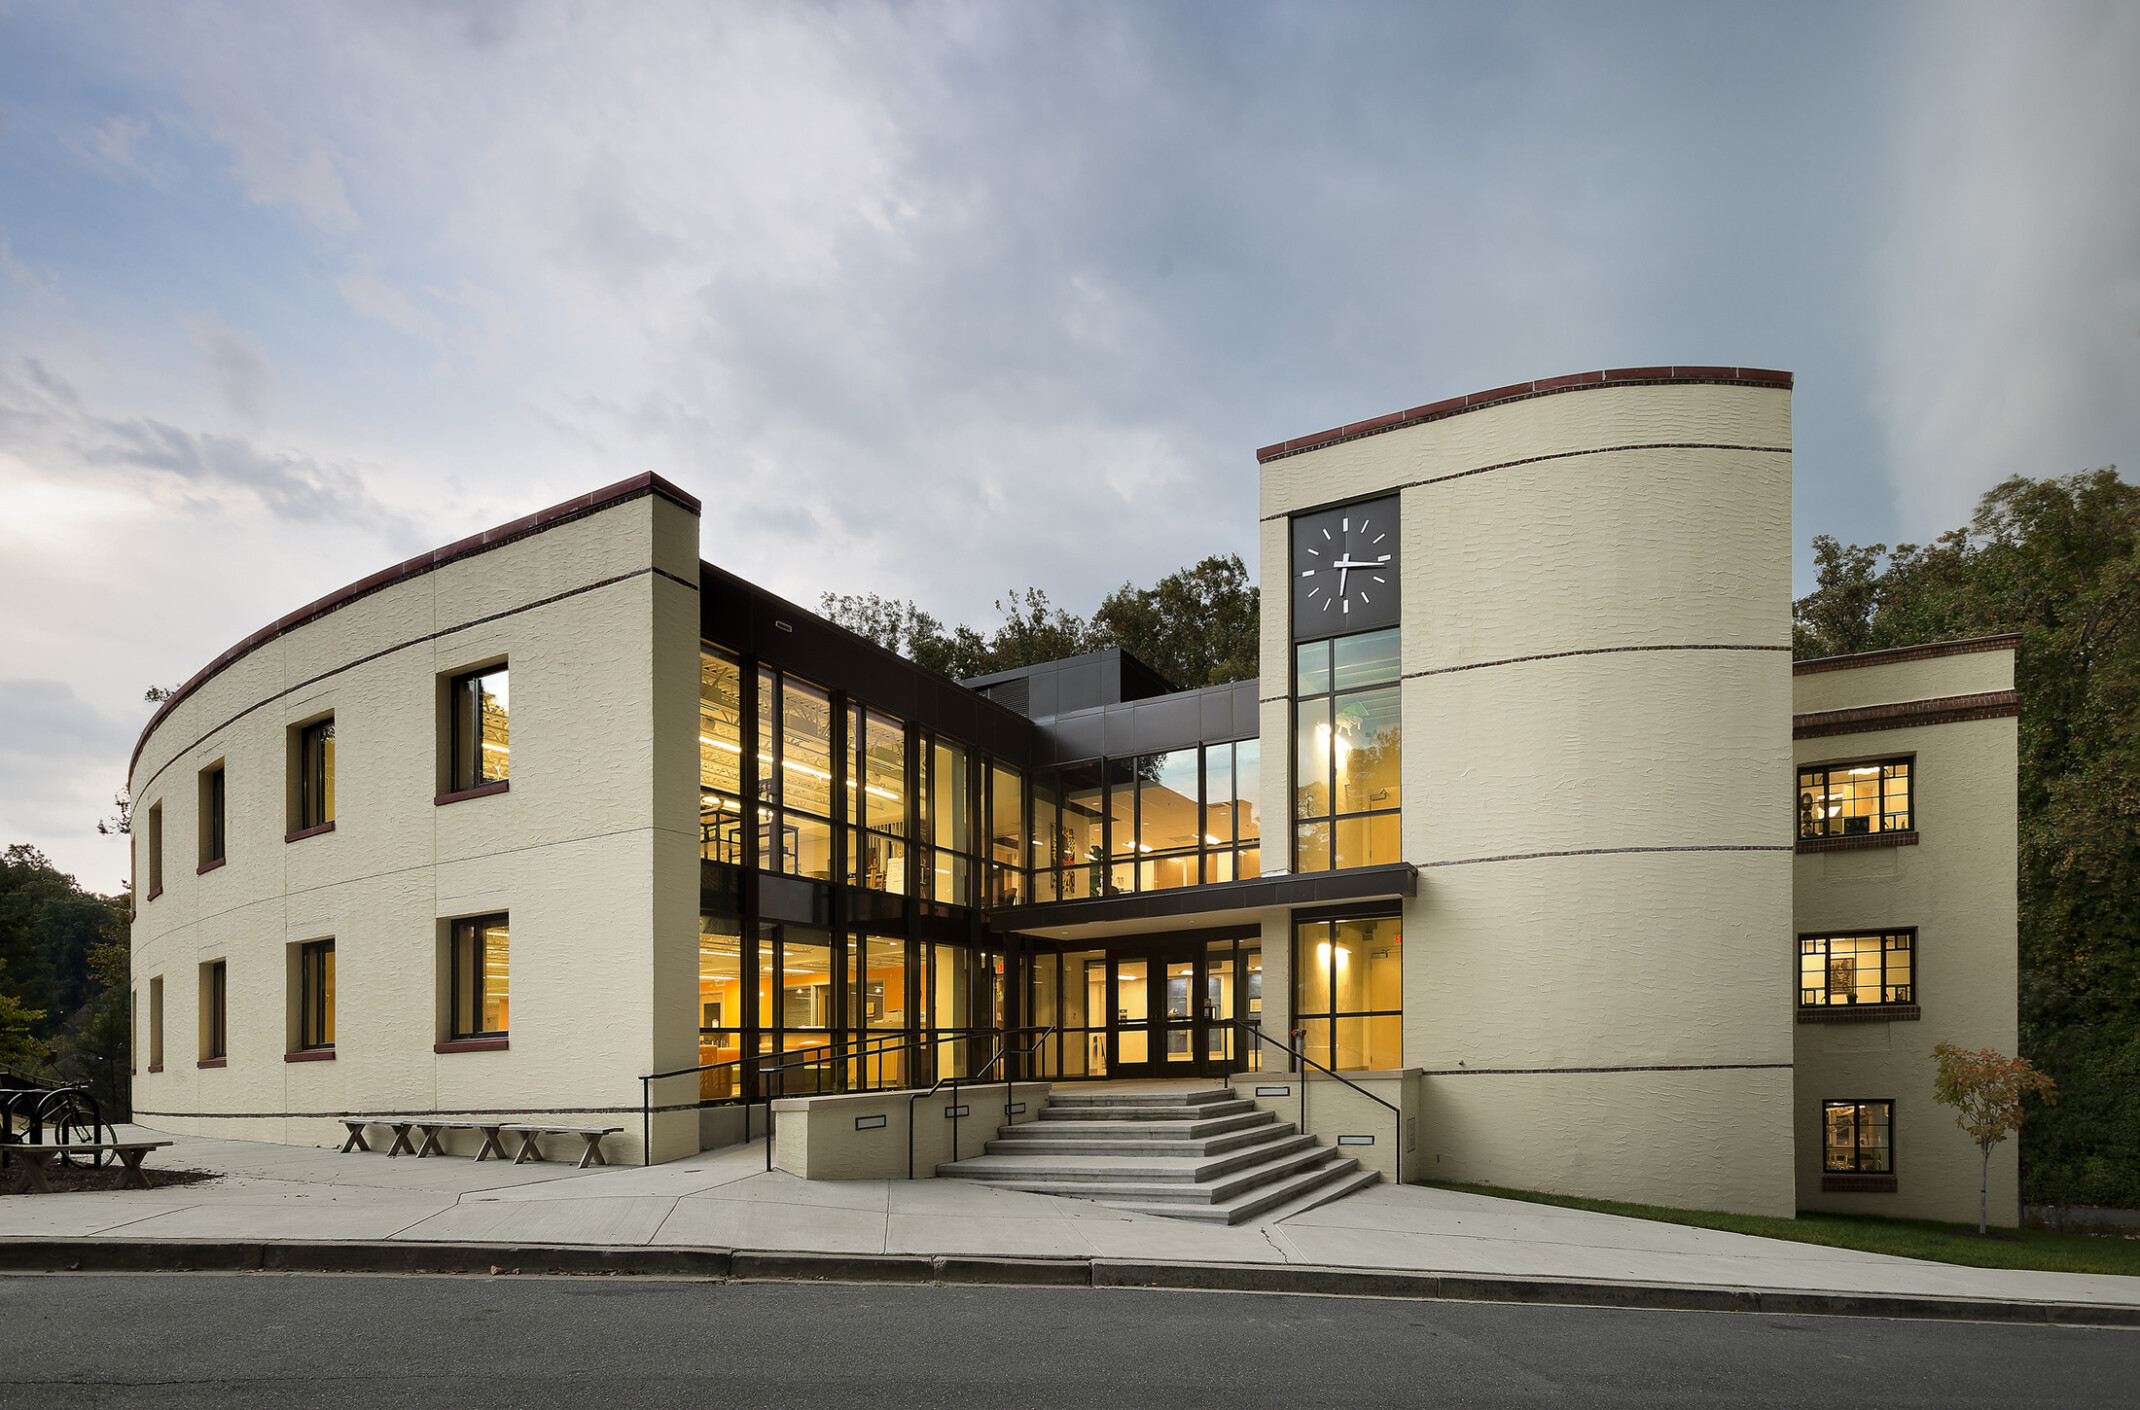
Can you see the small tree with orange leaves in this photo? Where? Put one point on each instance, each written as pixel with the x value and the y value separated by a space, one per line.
pixel 1985 1089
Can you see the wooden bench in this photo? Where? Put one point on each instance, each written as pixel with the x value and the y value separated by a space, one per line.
pixel 429 1128
pixel 592 1135
pixel 35 1159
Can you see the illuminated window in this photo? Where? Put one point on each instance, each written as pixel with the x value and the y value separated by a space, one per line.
pixel 1858 1137
pixel 1348 992
pixel 1854 800
pixel 1347 752
pixel 876 806
pixel 1857 969
pixel 480 704
pixel 481 950
pixel 720 756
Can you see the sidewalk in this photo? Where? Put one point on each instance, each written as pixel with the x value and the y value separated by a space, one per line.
pixel 727 1200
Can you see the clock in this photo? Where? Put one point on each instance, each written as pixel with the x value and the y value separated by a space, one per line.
pixel 1345 569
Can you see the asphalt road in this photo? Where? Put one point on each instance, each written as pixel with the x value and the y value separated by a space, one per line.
pixel 273 1340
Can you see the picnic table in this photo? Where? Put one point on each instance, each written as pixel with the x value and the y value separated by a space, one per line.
pixel 35 1158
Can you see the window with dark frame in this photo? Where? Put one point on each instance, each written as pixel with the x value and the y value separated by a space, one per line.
pixel 215 1010
pixel 155 849
pixel 1855 800
pixel 1347 752
pixel 720 755
pixel 1151 822
pixel 481 747
pixel 315 995
pixel 1348 992
pixel 1858 1137
pixel 212 824
pixel 876 816
pixel 315 774
pixel 479 999
pixel 1873 968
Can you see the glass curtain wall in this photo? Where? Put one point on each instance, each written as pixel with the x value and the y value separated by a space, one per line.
pixel 876 815
pixel 1347 780
pixel 1152 822
pixel 720 1004
pixel 1006 834
pixel 720 756
pixel 949 872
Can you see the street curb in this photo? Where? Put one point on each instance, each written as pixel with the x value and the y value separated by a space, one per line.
pixel 19 1255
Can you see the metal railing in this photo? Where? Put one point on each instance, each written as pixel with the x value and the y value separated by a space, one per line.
pixel 1255 1031
pixel 855 1051
pixel 1002 1051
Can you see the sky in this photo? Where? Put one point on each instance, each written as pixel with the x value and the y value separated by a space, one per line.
pixel 292 291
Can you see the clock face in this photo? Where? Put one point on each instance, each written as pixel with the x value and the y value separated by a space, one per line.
pixel 1345 569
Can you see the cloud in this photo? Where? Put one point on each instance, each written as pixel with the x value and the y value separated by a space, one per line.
pixel 56 765
pixel 239 366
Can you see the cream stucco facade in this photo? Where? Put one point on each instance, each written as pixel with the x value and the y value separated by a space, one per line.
pixel 1601 890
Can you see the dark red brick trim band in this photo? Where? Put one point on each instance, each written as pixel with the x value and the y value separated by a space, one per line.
pixel 158 1067
pixel 154 894
pixel 212 1062
pixel 310 1055
pixel 1552 1071
pixel 1857 1184
pixel 473 1045
pixel 1961 646
pixel 206 867
pixel 1581 381
pixel 304 832
pixel 1942 710
pixel 1860 1013
pixel 1586 651
pixel 481 790
pixel 383 651
pixel 1591 852
pixel 637 487
pixel 1858 842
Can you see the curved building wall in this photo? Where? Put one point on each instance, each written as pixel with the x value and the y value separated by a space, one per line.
pixel 1596 764
pixel 591 850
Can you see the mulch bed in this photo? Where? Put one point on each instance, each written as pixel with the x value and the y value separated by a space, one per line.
pixel 65 1179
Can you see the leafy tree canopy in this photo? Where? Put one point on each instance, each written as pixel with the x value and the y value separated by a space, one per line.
pixel 2057 561
pixel 1196 627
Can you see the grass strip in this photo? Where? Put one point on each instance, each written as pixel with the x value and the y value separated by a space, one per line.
pixel 2037 1249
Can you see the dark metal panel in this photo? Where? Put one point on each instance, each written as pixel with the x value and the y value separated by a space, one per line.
pixel 1080 686
pixel 1216 708
pixel 1120 732
pixel 1247 710
pixel 1046 691
pixel 793 899
pixel 1169 722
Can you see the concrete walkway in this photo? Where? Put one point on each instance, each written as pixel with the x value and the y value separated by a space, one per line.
pixel 728 1200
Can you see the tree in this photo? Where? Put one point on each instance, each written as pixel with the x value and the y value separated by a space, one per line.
pixel 2058 562
pixel 21 1050
pixel 1986 1088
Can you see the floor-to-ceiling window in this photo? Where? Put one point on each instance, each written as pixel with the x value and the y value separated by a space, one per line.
pixel 1348 995
pixel 720 756
pixel 877 813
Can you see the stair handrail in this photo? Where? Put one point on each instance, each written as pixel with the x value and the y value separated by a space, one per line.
pixel 1008 1080
pixel 1255 1030
pixel 891 1042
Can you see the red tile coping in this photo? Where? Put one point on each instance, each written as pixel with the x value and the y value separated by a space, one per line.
pixel 1860 1013
pixel 310 1055
pixel 1858 1184
pixel 1961 646
pixel 481 790
pixel 155 1067
pixel 1905 714
pixel 1516 391
pixel 152 895
pixel 473 1045
pixel 213 1062
pixel 1857 842
pixel 206 867
pixel 304 832
pixel 637 487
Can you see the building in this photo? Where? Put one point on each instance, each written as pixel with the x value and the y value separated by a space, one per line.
pixel 510 826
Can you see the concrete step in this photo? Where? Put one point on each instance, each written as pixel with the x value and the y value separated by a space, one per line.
pixel 1103 1142
pixel 1133 1096
pixel 1187 1174
pixel 1131 1130
pixel 1279 1200
pixel 1124 1111
pixel 1287 1179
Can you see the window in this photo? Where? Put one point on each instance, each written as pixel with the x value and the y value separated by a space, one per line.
pixel 315 995
pixel 215 1011
pixel 1347 780
pixel 479 995
pixel 1232 811
pixel 948 875
pixel 1858 1138
pixel 1854 800
pixel 212 828
pixel 1148 823
pixel 876 801
pixel 481 745
pixel 1006 836
pixel 315 774
pixel 720 756
pixel 1857 969
pixel 794 777
pixel 155 851
pixel 156 1024
pixel 1348 992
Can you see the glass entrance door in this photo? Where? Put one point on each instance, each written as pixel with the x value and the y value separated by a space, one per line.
pixel 1153 1013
